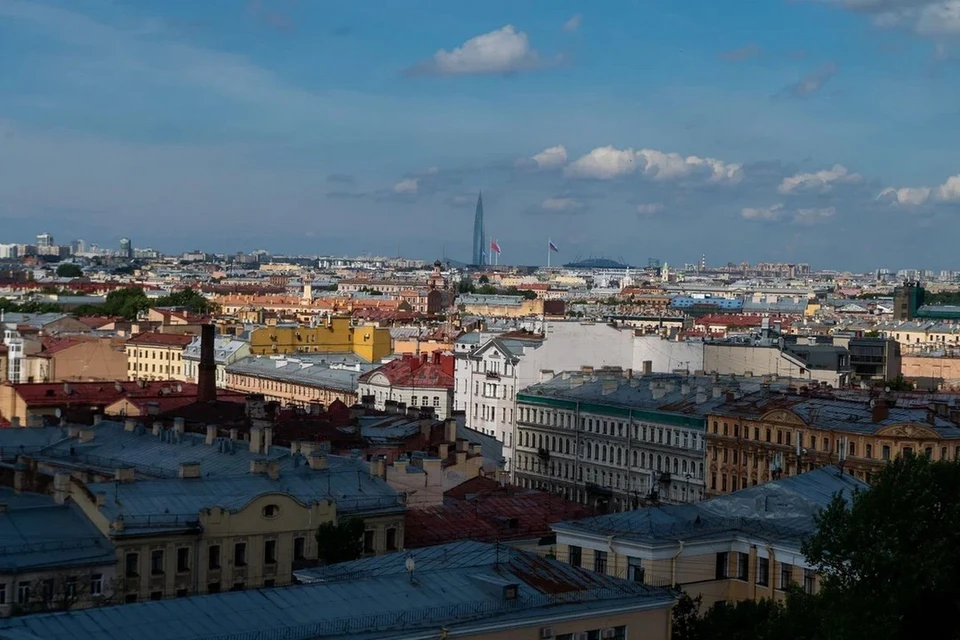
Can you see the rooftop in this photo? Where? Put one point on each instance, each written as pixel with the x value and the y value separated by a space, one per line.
pixel 339 371
pixel 428 371
pixel 151 339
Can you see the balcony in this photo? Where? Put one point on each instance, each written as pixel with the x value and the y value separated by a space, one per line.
pixel 492 375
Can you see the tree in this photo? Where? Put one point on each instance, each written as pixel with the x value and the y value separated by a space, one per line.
pixel 486 289
pixel 188 299
pixel 796 618
pixel 890 558
pixel 484 280
pixel 68 270
pixel 900 384
pixel 67 589
pixel 126 303
pixel 340 542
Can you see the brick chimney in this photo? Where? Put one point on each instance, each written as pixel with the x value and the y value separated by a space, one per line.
pixel 207 371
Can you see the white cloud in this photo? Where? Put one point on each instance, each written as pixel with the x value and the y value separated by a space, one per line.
pixel 819 181
pixel 813 216
pixel 505 50
pixel 573 24
pixel 550 158
pixel 949 191
pixel 409 186
pixel 562 205
pixel 927 18
pixel 650 208
pixel 772 212
pixel 604 163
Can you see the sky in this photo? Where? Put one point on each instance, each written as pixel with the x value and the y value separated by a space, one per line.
pixel 819 131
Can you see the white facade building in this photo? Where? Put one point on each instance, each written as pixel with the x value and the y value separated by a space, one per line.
pixel 416 381
pixel 226 351
pixel 491 369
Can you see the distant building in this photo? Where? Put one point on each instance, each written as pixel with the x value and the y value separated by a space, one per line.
pixel 44 240
pixel 329 335
pixel 479 235
pixel 156 356
pixel 227 350
pixel 126 248
pixel 301 379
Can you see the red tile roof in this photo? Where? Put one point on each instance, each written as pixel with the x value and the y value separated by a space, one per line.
pixel 161 339
pixel 511 514
pixel 98 393
pixel 433 370
pixel 55 345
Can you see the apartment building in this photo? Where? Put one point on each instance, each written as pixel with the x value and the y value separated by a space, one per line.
pixel 226 351
pixel 492 368
pixel 330 335
pixel 612 440
pixel 156 356
pixel 743 546
pixel 299 380
pixel 482 591
pixel 416 381
pixel 764 436
pixel 195 513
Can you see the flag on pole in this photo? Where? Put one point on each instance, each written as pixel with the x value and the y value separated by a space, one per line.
pixel 495 247
pixel 553 247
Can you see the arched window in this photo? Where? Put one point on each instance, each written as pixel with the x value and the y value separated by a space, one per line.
pixel 659 462
pixel 567 445
pixel 553 443
pixel 436 401
pixel 619 454
pixel 634 458
pixel 676 466
pixel 603 456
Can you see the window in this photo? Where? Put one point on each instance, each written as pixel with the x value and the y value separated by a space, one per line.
pixel 271 511
pixel 908 452
pixel 869 450
pixel 786 575
pixel 368 541
pixel 237 586
pixel 763 571
pixel 213 587
pixel 743 566
pixel 96 584
pixel 852 449
pixel 132 565
pixel 3 594
pixel 768 435
pixel 183 559
pixel 270 552
pixel 721 569
pixel 809 580
pixel 70 587
pixel 47 590
pixel 156 562
pixel 213 559
pixel 182 593
pixel 779 436
pixel 391 539
pixel 23 592
pixel 436 401
pixel 813 443
pixel 635 569
pixel 600 561
pixel 576 555
pixel 886 452
pixel 298 548
pixel 928 453
pixel 240 554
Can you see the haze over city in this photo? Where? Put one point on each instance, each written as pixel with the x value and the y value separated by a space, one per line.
pixel 814 131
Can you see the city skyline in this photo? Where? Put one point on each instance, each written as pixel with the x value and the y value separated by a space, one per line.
pixel 629 129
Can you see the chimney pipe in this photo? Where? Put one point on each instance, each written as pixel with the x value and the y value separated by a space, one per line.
pixel 207 370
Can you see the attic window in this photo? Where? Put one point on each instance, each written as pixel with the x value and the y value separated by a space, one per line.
pixel 271 511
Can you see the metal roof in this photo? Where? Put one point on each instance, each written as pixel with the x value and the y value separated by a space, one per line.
pixel 338 371
pixel 37 533
pixel 456 586
pixel 780 510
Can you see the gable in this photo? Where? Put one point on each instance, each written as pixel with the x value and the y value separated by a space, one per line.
pixel 912 431
pixel 783 417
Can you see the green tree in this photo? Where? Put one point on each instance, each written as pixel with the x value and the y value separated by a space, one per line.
pixel 340 542
pixel 126 303
pixel 486 289
pixel 188 299
pixel 900 384
pixel 890 559
pixel 484 280
pixel 796 618
pixel 68 270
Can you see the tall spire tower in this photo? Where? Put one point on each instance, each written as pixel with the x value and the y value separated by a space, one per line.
pixel 479 238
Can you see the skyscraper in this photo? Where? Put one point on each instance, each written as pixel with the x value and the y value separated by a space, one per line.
pixel 479 238
pixel 126 248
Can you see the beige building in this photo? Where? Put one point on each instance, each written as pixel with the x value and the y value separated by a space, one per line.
pixel 743 546
pixel 156 356
pixel 935 372
pixel 211 514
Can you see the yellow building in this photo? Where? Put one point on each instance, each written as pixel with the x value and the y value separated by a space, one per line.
pixel 332 335
pixel 743 546
pixel 747 445
pixel 232 515
pixel 156 356
pixel 499 306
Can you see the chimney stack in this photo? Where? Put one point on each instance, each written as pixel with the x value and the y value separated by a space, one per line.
pixel 207 371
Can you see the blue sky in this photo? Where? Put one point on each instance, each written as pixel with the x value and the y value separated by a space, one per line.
pixel 796 130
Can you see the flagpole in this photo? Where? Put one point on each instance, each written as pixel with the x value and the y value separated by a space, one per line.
pixel 548 252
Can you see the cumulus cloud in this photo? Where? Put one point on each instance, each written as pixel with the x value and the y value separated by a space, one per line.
pixel 561 205
pixel 573 24
pixel 741 54
pixel 812 82
pixel 605 163
pixel 813 216
pixel 407 186
pixel 819 181
pixel 650 208
pixel 503 51
pixel 773 212
pixel 550 158
pixel 949 191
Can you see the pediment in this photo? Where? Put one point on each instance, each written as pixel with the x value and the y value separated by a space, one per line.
pixel 911 431
pixel 784 417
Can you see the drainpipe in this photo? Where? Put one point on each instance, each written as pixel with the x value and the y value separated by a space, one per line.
pixel 673 564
